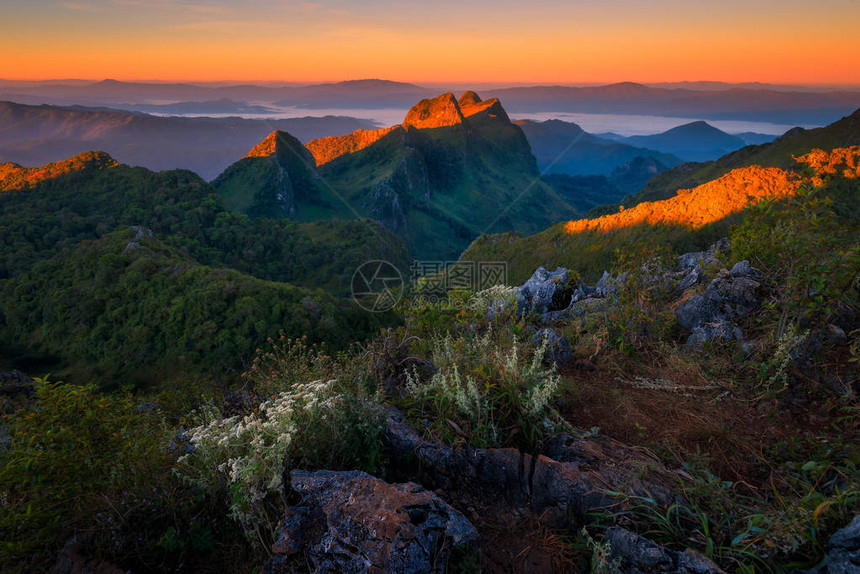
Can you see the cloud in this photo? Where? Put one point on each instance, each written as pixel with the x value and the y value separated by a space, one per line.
pixel 80 6
pixel 218 26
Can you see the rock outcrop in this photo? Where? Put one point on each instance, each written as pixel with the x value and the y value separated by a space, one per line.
pixel 327 149
pixel 843 550
pixel 709 316
pixel 556 490
pixel 354 522
pixel 471 105
pixel 272 178
pixel 558 349
pixel 636 554
pixel 435 112
pixel 545 291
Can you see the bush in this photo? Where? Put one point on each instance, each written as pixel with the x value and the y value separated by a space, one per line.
pixel 324 423
pixel 72 453
pixel 490 390
pixel 811 254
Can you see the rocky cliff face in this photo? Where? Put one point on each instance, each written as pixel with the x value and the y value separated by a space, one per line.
pixel 271 179
pixel 471 105
pixel 326 149
pixel 435 112
pixel 451 171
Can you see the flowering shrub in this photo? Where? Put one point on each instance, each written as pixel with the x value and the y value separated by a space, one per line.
pixel 488 389
pixel 314 424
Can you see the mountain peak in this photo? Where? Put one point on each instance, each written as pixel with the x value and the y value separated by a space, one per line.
pixel 446 110
pixel 469 98
pixel 472 105
pixel 274 144
pixel 697 127
pixel 435 113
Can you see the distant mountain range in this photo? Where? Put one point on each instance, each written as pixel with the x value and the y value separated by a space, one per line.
pixel 697 141
pixel 697 100
pixel 637 99
pixel 34 135
pixel 564 147
pixel 589 169
pixel 357 93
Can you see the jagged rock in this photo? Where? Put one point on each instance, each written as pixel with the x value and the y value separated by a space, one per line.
pixel 434 113
pixel 327 149
pixel 409 178
pixel 544 292
pixel 558 350
pixel 843 551
pixel 843 316
pixel 608 284
pixel 692 276
pixel 582 291
pixel 720 330
pixel 491 109
pixel 744 269
pixel 576 310
pixel 141 232
pixel 638 555
pixel 843 554
pixel 555 491
pixel 835 335
pixel 354 522
pixel 131 246
pixel 726 298
pixel 805 347
pixel 701 260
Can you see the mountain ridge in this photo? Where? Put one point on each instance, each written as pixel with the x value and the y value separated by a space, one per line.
pixel 844 132
pixel 429 177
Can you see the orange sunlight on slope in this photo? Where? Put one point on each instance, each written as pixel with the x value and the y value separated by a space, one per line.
pixel 731 193
pixel 701 205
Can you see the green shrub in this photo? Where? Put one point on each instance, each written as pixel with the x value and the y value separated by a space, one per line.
pixel 809 251
pixel 310 424
pixel 489 389
pixel 74 452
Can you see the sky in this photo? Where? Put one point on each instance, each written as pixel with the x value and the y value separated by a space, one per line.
pixel 480 41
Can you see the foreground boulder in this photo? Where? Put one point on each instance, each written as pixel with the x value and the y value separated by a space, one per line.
pixel 558 349
pixel 637 555
pixel 544 292
pixel 709 315
pixel 843 551
pixel 354 522
pixel 510 480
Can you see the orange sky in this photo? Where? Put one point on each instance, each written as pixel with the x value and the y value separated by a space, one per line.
pixel 787 41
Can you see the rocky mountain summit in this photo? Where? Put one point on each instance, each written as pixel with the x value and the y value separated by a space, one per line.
pixel 454 169
pixel 280 171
